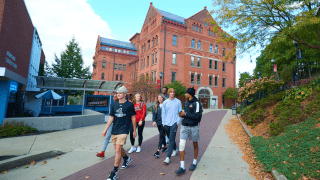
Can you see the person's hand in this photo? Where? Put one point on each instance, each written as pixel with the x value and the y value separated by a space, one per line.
pixel 182 113
pixel 103 134
pixel 134 134
pixel 154 124
pixel 140 123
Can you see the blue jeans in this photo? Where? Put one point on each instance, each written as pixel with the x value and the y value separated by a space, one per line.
pixel 171 132
pixel 107 139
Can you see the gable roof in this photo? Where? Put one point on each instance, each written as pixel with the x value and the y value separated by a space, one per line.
pixel 171 17
pixel 116 43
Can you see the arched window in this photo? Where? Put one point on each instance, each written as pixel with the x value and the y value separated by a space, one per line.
pixel 210 47
pixel 192 43
pixel 194 27
pixel 142 48
pixel 121 77
pixel 209 32
pixel 200 28
pixel 102 76
pixel 199 45
pixel 152 41
pixel 216 49
pixel 156 39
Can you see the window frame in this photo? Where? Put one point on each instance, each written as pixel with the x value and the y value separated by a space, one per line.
pixel 210 63
pixel 173 74
pixel 174 60
pixel 223 52
pixel 223 82
pixel 199 45
pixel 210 48
pixel 216 81
pixel 123 67
pixel 210 80
pixel 198 62
pixel 194 64
pixel 199 79
pixel 215 65
pixel 175 40
pixel 155 62
pixel 216 49
pixel 104 65
pixel 192 77
pixel 223 67
pixel 117 77
pixel 102 76
pixel 193 43
pixel 119 67
pixel 115 66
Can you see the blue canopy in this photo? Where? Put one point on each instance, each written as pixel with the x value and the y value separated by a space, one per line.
pixel 49 95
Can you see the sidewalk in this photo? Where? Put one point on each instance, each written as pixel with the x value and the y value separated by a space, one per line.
pixel 220 159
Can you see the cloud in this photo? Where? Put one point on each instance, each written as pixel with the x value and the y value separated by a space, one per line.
pixel 59 20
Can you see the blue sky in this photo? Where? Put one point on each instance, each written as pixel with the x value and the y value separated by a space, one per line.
pixel 57 21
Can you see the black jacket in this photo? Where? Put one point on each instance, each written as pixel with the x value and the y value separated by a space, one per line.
pixel 192 110
pixel 156 116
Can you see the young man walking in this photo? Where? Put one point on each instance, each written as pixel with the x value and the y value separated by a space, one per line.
pixel 122 114
pixel 170 121
pixel 189 128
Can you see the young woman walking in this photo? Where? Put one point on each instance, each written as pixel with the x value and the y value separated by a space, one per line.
pixel 141 109
pixel 157 120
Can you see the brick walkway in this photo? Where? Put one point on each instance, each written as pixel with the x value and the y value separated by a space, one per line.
pixel 145 166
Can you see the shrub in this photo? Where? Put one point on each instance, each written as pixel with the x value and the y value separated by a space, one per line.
pixel 14 129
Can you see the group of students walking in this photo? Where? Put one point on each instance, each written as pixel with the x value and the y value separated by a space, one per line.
pixel 127 116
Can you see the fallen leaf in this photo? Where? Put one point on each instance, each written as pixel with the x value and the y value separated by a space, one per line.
pixel 294 173
pixel 87 177
pixel 43 177
pixel 90 149
pixel 318 171
pixel 51 169
pixel 17 167
pixel 228 168
pixel 58 158
pixel 33 162
pixel 290 155
pixel 44 162
pixel 302 164
pixel 161 173
pixel 205 174
pixel 26 166
pixel 284 162
pixel 318 138
pixel 4 172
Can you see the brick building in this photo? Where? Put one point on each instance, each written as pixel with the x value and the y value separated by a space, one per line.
pixel 183 49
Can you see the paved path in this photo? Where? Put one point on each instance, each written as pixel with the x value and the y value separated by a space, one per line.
pixel 146 166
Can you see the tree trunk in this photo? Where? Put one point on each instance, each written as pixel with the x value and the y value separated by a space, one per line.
pixel 309 72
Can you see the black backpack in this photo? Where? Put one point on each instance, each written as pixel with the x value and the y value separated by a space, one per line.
pixel 142 109
pixel 201 111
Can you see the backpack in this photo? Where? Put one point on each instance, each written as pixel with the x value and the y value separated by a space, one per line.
pixel 201 111
pixel 142 108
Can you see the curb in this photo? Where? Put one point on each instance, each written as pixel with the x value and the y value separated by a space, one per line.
pixel 24 159
pixel 274 172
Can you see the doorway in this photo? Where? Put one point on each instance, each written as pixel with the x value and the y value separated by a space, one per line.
pixel 204 98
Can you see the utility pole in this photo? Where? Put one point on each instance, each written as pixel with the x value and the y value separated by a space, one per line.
pixel 164 51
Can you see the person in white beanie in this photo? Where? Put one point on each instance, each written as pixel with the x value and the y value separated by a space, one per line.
pixel 122 114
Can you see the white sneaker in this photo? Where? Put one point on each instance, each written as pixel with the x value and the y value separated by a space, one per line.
pixel 174 152
pixel 138 149
pixel 167 160
pixel 132 149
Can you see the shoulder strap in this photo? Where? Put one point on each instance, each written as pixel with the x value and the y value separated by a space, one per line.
pixel 141 105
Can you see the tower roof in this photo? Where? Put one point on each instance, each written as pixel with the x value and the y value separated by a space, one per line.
pixel 172 17
pixel 119 44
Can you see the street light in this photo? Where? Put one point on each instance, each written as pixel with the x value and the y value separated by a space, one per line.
pixel 296 45
pixel 160 75
pixel 272 60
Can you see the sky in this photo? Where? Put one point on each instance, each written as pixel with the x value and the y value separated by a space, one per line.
pixel 59 20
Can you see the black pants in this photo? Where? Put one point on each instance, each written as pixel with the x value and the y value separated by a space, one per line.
pixel 140 130
pixel 162 139
pixel 171 132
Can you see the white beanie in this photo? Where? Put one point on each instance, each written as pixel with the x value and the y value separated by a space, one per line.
pixel 122 89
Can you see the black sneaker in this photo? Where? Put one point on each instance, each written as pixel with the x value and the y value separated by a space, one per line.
pixel 192 167
pixel 164 150
pixel 112 175
pixel 180 171
pixel 126 163
pixel 157 154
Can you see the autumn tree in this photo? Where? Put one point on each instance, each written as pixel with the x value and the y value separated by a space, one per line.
pixel 179 87
pixel 231 93
pixel 255 22
pixel 145 86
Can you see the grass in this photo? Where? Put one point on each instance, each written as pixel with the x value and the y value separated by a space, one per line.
pixel 295 153
pixel 15 129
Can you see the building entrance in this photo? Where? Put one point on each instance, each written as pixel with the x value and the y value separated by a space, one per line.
pixel 204 98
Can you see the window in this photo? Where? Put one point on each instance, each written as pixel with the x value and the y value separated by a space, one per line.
pixel 153 42
pixel 199 62
pixel 192 43
pixel 121 77
pixel 156 39
pixel 121 51
pixel 141 62
pixel 117 77
pixel 224 52
pixel 199 79
pixel 192 78
pixel 199 45
pixel 174 58
pixel 155 76
pixel 174 42
pixel 173 76
pixel 210 63
pixel 210 80
pixel 147 61
pixel 144 63
pixel 59 102
pixel 224 67
pixel 149 44
pixel 200 29
pixel 205 24
pixel 102 76
pixel 115 66
pixel 151 76
pixel 210 49
pixel 216 65
pixel 194 27
pixel 103 48
pixel 152 59
pixel 216 81
pixel 223 82
pixel 120 65
pixel 103 65
pixel 104 58
pixel 192 61
pixel 110 49
pixel 155 61
pixel 124 67
pixel 216 49
pixel 214 34
pixel 142 48
pixel 209 32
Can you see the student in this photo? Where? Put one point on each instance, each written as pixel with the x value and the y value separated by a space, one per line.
pixel 122 114
pixel 170 121
pixel 164 91
pixel 108 135
pixel 189 128
pixel 156 118
pixel 140 109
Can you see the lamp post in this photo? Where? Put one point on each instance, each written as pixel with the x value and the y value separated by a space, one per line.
pixel 160 75
pixel 296 45
pixel 272 60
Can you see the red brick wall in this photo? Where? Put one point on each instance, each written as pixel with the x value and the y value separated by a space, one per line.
pixel 16 36
pixel 1 12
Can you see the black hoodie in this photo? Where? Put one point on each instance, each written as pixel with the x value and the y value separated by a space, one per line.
pixel 192 110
